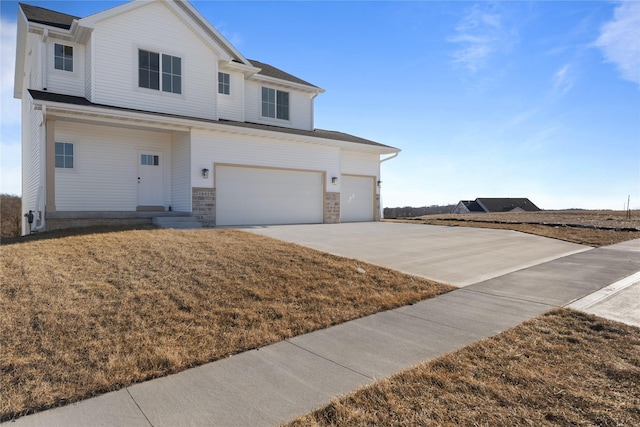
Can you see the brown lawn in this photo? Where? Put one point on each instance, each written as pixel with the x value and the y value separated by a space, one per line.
pixel 86 312
pixel 563 368
pixel 593 228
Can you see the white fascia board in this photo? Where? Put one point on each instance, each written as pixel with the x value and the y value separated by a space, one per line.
pixel 287 83
pixel 217 36
pixel 91 20
pixel 247 70
pixel 161 122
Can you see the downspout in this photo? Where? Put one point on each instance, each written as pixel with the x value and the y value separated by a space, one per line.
pixel 381 213
pixel 39 210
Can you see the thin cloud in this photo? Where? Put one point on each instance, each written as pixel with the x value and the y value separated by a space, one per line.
pixel 620 40
pixel 481 34
pixel 563 80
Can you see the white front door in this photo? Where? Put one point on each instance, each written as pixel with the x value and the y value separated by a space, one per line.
pixel 150 178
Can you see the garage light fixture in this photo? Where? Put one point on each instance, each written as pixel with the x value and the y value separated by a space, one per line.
pixel 205 173
pixel 334 180
pixel 379 184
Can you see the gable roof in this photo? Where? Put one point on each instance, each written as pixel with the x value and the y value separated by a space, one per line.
pixel 40 15
pixel 315 133
pixel 271 71
pixel 472 205
pixel 506 204
pixel 64 21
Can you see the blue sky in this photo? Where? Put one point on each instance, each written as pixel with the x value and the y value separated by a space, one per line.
pixel 485 99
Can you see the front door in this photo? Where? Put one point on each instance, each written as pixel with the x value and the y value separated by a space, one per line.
pixel 150 178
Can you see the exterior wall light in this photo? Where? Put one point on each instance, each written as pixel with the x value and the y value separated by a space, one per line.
pixel 205 173
pixel 379 184
pixel 334 180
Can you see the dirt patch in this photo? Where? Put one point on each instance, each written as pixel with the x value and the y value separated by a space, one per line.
pixel 85 313
pixel 563 368
pixel 593 228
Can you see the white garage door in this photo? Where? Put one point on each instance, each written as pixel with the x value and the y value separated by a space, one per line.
pixel 255 196
pixel 356 198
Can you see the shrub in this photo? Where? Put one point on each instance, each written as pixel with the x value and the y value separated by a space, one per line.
pixel 10 215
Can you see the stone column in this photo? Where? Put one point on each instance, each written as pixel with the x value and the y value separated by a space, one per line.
pixel 331 214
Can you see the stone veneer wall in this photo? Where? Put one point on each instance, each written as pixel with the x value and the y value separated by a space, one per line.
pixel 376 217
pixel 331 214
pixel 203 205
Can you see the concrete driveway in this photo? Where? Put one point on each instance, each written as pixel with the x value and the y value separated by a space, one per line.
pixel 456 255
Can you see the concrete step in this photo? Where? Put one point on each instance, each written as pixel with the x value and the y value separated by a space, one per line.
pixel 180 222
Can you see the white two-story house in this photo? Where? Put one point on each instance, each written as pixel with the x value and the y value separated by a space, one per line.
pixel 145 110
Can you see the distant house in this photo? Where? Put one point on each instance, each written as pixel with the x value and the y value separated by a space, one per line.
pixel 493 205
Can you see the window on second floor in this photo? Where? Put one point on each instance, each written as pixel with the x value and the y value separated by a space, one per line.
pixel 62 57
pixel 224 83
pixel 275 103
pixel 150 68
pixel 64 155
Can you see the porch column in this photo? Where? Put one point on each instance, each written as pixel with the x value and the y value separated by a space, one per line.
pixel 50 164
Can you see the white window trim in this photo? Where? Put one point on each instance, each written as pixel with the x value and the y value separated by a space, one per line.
pixel 273 119
pixel 218 88
pixel 52 61
pixel 159 91
pixel 74 169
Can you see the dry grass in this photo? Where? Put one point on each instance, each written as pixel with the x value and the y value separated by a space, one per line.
pixel 91 312
pixel 10 215
pixel 593 228
pixel 564 368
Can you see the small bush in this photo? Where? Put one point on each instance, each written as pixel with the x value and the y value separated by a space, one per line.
pixel 10 215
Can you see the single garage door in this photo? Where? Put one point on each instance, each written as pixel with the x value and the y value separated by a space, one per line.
pixel 357 198
pixel 255 196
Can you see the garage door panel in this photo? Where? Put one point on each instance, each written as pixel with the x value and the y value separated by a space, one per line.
pixel 256 196
pixel 357 198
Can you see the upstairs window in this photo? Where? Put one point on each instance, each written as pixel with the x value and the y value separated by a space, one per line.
pixel 275 103
pixel 171 74
pixel 224 83
pixel 62 57
pixel 150 68
pixel 64 155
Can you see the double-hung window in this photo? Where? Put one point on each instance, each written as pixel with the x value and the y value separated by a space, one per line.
pixel 275 103
pixel 150 68
pixel 224 83
pixel 64 155
pixel 62 57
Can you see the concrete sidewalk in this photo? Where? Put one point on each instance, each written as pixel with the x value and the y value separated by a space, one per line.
pixel 279 382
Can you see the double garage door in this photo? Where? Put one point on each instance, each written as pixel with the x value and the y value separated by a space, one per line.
pixel 258 196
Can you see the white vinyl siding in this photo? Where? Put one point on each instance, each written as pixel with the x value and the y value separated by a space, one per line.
pixel 87 70
pixel 115 58
pixel 230 106
pixel 208 148
pixel 355 163
pixel 105 177
pixel 32 158
pixel 62 81
pixel 300 107
pixel 180 177
pixel 253 196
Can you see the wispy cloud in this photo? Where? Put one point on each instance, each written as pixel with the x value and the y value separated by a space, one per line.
pixel 619 40
pixel 563 80
pixel 481 34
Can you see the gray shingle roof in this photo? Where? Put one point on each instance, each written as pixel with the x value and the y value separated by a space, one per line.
pixel 316 133
pixel 44 16
pixel 507 204
pixel 271 71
